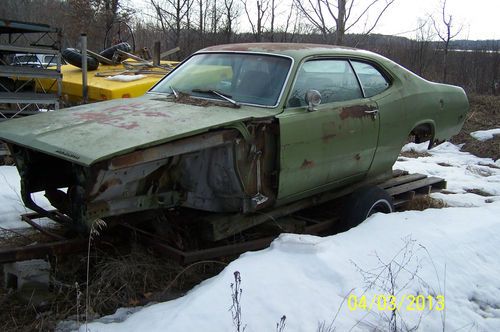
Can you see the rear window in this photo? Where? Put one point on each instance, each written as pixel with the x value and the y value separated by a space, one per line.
pixel 371 79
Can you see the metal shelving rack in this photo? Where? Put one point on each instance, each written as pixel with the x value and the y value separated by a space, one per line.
pixel 16 99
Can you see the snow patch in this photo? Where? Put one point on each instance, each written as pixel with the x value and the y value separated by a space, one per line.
pixel 12 206
pixel 484 135
pixel 463 172
pixel 449 251
pixel 125 78
pixel 293 243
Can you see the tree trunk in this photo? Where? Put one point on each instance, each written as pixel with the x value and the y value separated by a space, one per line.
pixel 339 34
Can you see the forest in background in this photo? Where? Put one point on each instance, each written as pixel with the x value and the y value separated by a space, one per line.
pixel 195 24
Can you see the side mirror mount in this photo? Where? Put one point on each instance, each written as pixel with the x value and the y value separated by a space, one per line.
pixel 313 99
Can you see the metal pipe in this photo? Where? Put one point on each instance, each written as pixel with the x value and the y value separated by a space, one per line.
pixel 83 39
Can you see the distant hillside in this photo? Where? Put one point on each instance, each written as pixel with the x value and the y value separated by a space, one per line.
pixel 487 45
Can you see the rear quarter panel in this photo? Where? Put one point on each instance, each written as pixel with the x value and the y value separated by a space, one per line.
pixel 414 101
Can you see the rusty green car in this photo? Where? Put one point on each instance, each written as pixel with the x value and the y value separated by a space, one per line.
pixel 233 130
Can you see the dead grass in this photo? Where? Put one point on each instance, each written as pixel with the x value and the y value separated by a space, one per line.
pixel 119 277
pixel 421 203
pixel 414 154
pixel 479 192
pixel 484 114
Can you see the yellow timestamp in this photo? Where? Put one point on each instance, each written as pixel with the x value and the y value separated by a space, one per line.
pixel 384 302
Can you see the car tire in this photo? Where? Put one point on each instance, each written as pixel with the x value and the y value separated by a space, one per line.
pixel 364 202
pixel 110 51
pixel 74 57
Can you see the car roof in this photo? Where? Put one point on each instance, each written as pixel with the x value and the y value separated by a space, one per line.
pixel 295 50
pixel 299 52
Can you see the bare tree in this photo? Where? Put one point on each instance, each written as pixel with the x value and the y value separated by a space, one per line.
pixel 342 12
pixel 444 30
pixel 313 12
pixel 293 12
pixel 257 25
pixel 273 17
pixel 174 16
pixel 420 52
pixel 495 68
pixel 231 13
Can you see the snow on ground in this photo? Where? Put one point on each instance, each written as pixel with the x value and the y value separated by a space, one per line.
pixel 11 206
pixel 451 252
pixel 463 172
pixel 484 135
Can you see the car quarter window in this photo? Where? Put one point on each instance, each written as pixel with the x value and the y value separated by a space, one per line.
pixel 333 78
pixel 371 79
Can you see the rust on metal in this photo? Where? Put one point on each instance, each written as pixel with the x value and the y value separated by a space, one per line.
pixel 271 47
pixel 184 98
pixel 178 147
pixel 355 112
pixel 307 164
pixel 28 218
pixel 116 116
pixel 329 131
pixel 41 250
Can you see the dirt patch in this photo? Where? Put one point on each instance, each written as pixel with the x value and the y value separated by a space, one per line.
pixel 421 203
pixel 414 154
pixel 479 192
pixel 484 114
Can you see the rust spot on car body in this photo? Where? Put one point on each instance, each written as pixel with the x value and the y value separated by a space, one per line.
pixel 272 47
pixel 357 157
pixel 355 112
pixel 116 116
pixel 109 183
pixel 184 98
pixel 307 164
pixel 329 131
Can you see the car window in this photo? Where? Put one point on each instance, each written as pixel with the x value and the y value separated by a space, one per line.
pixel 246 78
pixel 371 79
pixel 334 79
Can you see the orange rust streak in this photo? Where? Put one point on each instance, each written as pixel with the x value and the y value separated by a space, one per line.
pixel 355 112
pixel 329 131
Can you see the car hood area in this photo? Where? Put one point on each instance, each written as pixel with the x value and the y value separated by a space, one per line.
pixel 91 133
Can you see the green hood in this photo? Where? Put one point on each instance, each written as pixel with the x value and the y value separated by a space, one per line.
pixel 90 133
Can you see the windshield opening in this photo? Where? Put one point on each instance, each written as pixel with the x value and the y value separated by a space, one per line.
pixel 245 78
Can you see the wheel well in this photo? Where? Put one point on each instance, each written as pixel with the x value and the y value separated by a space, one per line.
pixel 423 132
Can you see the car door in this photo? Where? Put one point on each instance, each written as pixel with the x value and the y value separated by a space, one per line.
pixel 333 144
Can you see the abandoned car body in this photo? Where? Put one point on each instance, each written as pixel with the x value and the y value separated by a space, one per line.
pixel 234 129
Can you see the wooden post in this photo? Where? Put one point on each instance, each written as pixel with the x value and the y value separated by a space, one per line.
pixel 85 92
pixel 156 54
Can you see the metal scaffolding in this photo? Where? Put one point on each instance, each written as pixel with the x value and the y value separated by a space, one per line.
pixel 29 54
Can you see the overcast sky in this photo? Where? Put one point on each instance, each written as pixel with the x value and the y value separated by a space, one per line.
pixel 480 18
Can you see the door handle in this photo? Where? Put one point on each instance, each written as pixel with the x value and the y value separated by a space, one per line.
pixel 373 113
